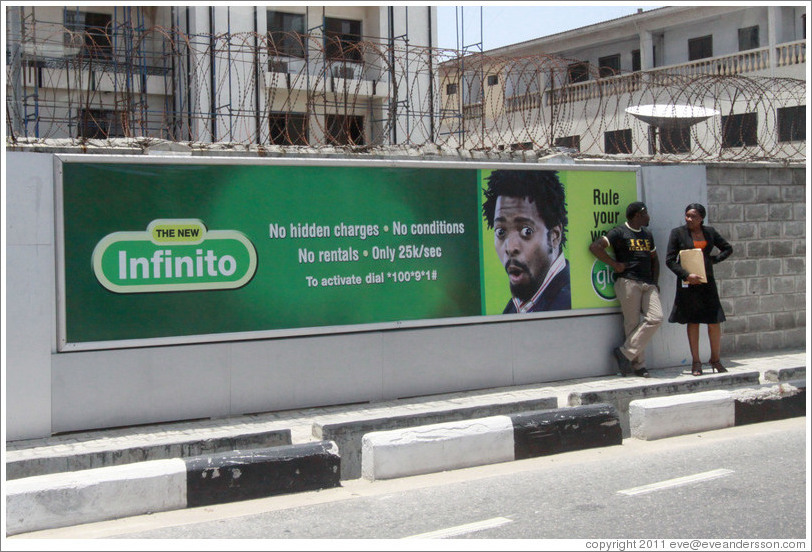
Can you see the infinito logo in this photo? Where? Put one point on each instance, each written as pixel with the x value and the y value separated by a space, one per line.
pixel 603 280
pixel 174 255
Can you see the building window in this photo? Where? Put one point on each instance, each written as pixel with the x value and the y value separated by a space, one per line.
pixel 345 71
pixel 792 123
pixel 522 146
pixel 288 129
pixel 609 66
pixel 100 123
pixel 286 34
pixel 675 140
pixel 520 80
pixel 739 130
pixel 521 87
pixel 91 31
pixel 699 48
pixel 578 72
pixel 636 60
pixel 748 38
pixel 618 141
pixel 471 88
pixel 342 38
pixel 451 89
pixel 572 143
pixel 345 130
pixel 493 80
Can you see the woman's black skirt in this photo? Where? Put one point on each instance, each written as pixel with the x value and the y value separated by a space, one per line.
pixel 698 304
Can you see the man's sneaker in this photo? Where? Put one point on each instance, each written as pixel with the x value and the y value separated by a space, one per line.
pixel 642 372
pixel 623 364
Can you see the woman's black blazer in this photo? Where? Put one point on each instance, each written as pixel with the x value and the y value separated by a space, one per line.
pixel 680 238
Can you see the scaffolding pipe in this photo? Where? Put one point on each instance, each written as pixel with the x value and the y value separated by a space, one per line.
pixel 16 114
pixel 258 81
pixel 188 75
pixel 229 65
pixel 213 76
pixel 393 104
pixel 431 77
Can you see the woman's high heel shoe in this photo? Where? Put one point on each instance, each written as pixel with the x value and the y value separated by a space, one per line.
pixel 696 369
pixel 717 366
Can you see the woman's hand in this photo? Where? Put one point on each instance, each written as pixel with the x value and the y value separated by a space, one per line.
pixel 693 279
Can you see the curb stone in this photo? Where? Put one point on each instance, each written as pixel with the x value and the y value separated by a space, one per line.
pixel 98 494
pixel 622 397
pixel 454 445
pixel 770 402
pixel 659 417
pixel 85 456
pixel 348 434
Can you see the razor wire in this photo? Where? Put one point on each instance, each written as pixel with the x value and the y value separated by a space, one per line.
pixel 294 90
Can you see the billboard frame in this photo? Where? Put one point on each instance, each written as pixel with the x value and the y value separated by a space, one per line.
pixel 62 345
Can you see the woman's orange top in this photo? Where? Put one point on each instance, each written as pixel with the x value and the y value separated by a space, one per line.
pixel 700 244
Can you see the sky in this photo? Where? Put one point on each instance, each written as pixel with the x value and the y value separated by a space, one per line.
pixel 512 22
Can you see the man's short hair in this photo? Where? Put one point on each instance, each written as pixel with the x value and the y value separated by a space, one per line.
pixel 541 187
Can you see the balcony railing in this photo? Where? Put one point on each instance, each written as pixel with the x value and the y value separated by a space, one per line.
pixel 583 91
pixel 522 102
pixel 791 53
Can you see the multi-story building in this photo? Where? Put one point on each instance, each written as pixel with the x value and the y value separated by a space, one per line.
pixel 571 90
pixel 259 75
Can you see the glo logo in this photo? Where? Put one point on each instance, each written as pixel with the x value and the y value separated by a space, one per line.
pixel 603 280
pixel 174 255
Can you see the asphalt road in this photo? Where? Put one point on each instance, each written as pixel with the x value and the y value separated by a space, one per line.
pixel 743 482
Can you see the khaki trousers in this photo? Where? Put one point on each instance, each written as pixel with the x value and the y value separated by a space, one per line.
pixel 642 316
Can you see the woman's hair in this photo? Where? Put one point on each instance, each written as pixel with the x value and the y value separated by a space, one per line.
pixel 698 207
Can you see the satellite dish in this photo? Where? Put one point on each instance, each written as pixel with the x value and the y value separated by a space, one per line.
pixel 669 116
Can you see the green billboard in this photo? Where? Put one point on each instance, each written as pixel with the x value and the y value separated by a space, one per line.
pixel 191 249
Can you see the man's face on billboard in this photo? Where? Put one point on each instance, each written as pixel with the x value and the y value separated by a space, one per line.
pixel 524 244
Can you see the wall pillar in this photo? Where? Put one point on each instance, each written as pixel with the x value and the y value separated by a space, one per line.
pixel 646 50
pixel 773 23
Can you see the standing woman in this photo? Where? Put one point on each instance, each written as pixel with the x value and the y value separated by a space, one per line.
pixel 697 303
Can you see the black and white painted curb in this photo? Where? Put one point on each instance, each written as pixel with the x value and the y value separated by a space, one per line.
pixel 770 402
pixel 72 498
pixel 460 444
pixel 349 432
pixel 659 417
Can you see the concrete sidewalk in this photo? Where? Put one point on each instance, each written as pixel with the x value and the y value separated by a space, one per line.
pixel 100 448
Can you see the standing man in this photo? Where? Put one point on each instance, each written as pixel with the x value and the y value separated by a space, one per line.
pixel 636 285
pixel 528 214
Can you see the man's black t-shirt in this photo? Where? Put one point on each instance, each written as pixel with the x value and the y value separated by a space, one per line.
pixel 634 248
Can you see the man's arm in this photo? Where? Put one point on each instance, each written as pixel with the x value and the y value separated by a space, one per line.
pixel 598 248
pixel 655 268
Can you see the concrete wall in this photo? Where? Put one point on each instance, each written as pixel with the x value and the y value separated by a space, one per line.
pixel 49 392
pixel 723 29
pixel 666 192
pixel 30 298
pixel 762 212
